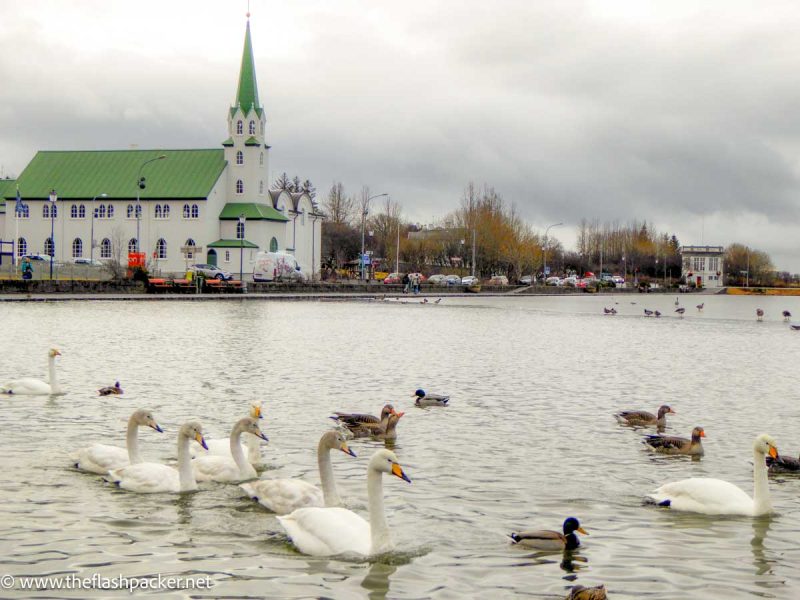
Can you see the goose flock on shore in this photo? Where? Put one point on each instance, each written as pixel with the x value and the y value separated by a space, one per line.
pixel 314 518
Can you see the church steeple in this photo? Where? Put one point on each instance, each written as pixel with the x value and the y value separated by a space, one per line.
pixel 247 92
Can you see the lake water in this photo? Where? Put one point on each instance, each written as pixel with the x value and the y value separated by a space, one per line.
pixel 528 440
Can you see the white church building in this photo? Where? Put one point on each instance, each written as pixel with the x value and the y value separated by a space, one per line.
pixel 164 202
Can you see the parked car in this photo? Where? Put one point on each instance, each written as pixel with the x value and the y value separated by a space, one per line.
pixel 211 271
pixel 498 280
pixel 393 278
pixel 618 280
pixel 527 280
pixel 36 257
pixel 88 262
pixel 570 281
pixel 552 281
pixel 470 280
pixel 438 279
pixel 452 280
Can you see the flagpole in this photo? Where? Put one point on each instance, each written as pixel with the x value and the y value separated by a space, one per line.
pixel 16 232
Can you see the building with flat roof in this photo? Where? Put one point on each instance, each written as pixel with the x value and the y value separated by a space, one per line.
pixel 165 202
pixel 703 265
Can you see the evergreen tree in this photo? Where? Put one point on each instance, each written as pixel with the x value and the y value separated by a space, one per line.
pixel 282 183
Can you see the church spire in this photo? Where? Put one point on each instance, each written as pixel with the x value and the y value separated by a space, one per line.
pixel 247 92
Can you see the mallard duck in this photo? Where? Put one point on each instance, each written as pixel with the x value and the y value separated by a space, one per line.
pixel 425 399
pixel 110 390
pixel 783 464
pixel 671 444
pixel 717 497
pixel 551 540
pixel 579 592
pixel 350 420
pixel 642 418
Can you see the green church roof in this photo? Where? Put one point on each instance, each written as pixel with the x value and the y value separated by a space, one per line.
pixel 252 141
pixel 232 244
pixel 8 189
pixel 85 174
pixel 247 92
pixel 253 211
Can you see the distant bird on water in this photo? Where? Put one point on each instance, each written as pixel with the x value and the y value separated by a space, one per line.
pixel 642 418
pixel 657 313
pixel 759 314
pixel 680 311
pixel 110 390
pixel 551 541
pixel 677 301
pixel 607 310
pixel 701 305
pixel 787 315
pixel 648 313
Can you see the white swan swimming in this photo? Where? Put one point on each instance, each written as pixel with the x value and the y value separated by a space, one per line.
pixel 35 387
pixel 282 496
pixel 329 531
pixel 717 497
pixel 233 467
pixel 101 458
pixel 148 478
pixel 222 447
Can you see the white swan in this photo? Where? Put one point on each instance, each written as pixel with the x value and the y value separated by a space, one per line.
pixel 334 530
pixel 101 458
pixel 222 447
pixel 35 387
pixel 282 496
pixel 233 467
pixel 147 477
pixel 717 497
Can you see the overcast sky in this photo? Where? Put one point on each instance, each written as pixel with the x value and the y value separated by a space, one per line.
pixel 682 113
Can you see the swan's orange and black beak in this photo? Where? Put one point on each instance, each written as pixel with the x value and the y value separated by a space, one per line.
pixel 397 471
pixel 198 437
pixel 773 452
pixel 346 449
pixel 582 530
pixel 262 436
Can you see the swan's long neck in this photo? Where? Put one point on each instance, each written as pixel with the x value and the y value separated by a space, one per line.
pixel 253 449
pixel 329 491
pixel 236 451
pixel 132 442
pixel 188 482
pixel 379 528
pixel 51 364
pixel 761 501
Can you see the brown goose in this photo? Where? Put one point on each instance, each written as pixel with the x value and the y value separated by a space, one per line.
pixel 551 541
pixel 350 420
pixel 671 444
pixel 642 418
pixel 759 314
pixel 110 390
pixel 579 592
pixel 385 430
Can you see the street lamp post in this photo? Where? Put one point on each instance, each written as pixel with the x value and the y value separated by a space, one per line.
pixel 242 220
pixel 140 185
pixel 53 200
pixel 363 223
pixel 91 235
pixel 544 250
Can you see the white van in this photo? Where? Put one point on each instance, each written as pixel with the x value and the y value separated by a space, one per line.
pixel 277 266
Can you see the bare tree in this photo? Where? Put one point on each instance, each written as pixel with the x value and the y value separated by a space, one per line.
pixel 337 206
pixel 282 183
